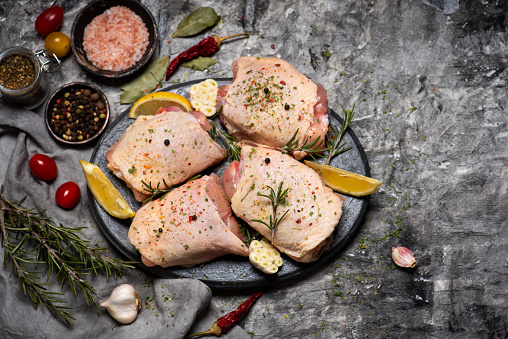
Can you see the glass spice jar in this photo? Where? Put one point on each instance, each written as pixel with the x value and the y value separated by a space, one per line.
pixel 23 79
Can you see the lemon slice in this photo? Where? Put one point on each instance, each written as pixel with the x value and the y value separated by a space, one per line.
pixel 104 192
pixel 150 103
pixel 345 182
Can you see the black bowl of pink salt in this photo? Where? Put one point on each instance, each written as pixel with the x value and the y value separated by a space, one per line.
pixel 77 113
pixel 114 38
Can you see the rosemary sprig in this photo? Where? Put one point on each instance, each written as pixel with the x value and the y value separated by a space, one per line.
pixel 159 193
pixel 216 114
pixel 233 150
pixel 333 145
pixel 249 233
pixel 276 198
pixel 309 148
pixel 157 190
pixel 30 240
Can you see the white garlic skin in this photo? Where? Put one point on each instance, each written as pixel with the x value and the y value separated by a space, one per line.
pixel 403 257
pixel 123 304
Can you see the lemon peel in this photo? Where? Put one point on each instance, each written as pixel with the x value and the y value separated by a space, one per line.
pixel 150 103
pixel 345 182
pixel 106 195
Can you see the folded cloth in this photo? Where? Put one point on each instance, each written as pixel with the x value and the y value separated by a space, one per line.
pixel 170 306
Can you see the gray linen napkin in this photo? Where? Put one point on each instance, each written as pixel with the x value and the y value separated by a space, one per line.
pixel 170 306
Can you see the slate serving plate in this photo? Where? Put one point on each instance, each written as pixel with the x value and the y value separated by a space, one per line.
pixel 231 273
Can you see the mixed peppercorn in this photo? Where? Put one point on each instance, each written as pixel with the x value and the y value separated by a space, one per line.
pixel 78 114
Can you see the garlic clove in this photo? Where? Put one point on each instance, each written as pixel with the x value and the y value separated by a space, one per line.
pixel 123 304
pixel 264 256
pixel 403 257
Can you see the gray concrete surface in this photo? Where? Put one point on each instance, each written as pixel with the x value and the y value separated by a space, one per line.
pixel 428 80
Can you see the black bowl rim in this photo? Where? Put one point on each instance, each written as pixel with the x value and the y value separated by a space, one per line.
pixel 70 85
pixel 135 67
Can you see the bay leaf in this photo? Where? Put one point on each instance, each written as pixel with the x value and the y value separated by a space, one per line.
pixel 146 82
pixel 199 63
pixel 196 22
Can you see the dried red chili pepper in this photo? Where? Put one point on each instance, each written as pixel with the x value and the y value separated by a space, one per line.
pixel 205 47
pixel 225 323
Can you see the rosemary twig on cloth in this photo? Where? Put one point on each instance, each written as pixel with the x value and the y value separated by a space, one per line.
pixel 31 240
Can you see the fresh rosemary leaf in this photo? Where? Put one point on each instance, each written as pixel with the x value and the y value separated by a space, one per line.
pixel 333 145
pixel 159 193
pixel 30 240
pixel 314 148
pixel 318 147
pixel 276 199
pixel 230 141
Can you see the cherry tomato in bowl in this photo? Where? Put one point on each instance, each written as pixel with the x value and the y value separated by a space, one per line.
pixel 58 43
pixel 49 20
pixel 43 167
pixel 67 195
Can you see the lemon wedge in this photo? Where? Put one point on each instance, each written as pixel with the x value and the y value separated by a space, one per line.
pixel 104 192
pixel 150 103
pixel 345 182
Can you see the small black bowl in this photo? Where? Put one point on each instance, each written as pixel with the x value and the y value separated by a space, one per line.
pixel 59 94
pixel 96 8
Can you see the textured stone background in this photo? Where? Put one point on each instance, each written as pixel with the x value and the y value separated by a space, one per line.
pixel 428 80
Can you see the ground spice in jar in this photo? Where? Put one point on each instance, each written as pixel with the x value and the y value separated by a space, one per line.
pixel 16 72
pixel 78 115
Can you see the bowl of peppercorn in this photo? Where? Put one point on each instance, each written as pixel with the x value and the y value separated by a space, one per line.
pixel 77 113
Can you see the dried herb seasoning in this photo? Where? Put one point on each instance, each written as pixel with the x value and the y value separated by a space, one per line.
pixel 16 72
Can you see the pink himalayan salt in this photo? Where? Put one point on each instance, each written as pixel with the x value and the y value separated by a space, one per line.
pixel 116 39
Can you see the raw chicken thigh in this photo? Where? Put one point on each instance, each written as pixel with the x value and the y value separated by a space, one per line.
pixel 269 100
pixel 163 150
pixel 314 209
pixel 190 225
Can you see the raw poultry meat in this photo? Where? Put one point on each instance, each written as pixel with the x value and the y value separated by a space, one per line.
pixel 190 225
pixel 163 150
pixel 305 232
pixel 269 100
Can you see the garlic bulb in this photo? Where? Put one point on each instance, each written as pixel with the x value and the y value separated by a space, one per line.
pixel 123 304
pixel 403 257
pixel 203 96
pixel 264 256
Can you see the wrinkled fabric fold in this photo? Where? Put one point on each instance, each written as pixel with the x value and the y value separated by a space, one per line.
pixel 170 306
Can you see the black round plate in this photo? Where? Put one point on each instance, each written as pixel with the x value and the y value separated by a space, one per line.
pixel 228 272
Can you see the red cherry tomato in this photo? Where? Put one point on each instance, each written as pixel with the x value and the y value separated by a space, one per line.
pixel 49 20
pixel 43 167
pixel 68 194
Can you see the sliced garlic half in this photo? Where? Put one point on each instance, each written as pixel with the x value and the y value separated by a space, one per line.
pixel 203 96
pixel 264 256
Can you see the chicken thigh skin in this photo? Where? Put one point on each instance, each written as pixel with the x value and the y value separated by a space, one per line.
pixel 163 150
pixel 190 225
pixel 269 101
pixel 313 210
